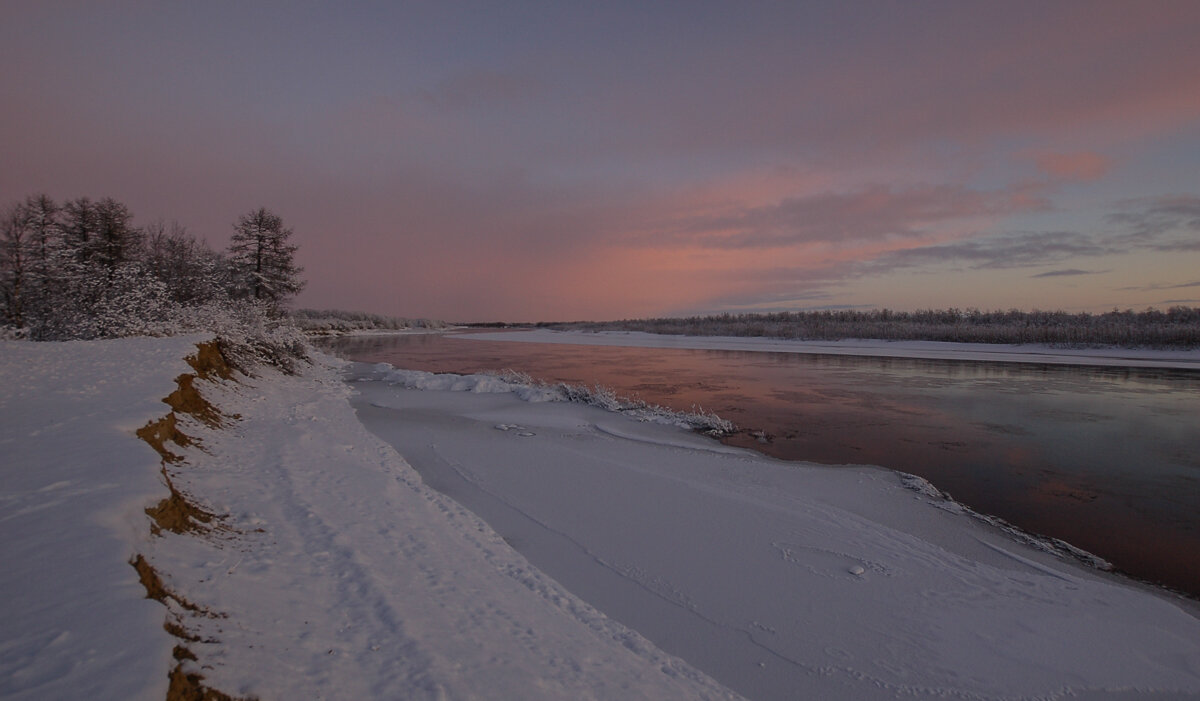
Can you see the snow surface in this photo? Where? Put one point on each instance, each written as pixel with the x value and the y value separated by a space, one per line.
pixel 932 350
pixel 73 482
pixel 618 549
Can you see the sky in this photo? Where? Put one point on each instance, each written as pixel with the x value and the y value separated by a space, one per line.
pixel 526 161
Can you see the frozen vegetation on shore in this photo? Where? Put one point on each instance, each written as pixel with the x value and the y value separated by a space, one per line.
pixel 323 322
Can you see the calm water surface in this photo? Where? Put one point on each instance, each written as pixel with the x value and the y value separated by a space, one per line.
pixel 1107 459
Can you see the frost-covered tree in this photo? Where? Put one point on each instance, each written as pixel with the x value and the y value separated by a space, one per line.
pixel 97 257
pixel 30 260
pixel 14 264
pixel 77 271
pixel 78 223
pixel 117 241
pixel 261 260
pixel 43 217
pixel 100 233
pixel 191 271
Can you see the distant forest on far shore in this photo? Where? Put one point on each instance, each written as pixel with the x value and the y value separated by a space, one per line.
pixel 1177 327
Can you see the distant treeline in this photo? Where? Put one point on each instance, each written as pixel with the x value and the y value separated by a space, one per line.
pixel 1177 327
pixel 338 321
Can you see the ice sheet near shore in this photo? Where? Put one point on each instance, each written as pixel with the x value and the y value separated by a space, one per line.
pixel 929 350
pixel 338 572
pixel 780 580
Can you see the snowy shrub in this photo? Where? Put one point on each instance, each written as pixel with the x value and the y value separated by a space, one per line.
pixel 336 321
pixel 249 334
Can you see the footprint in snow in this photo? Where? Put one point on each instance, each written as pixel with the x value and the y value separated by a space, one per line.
pixel 514 427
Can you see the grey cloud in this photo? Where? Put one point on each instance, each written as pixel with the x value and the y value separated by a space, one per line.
pixel 765 308
pixel 1068 272
pixel 1012 251
pixel 1178 246
pixel 870 214
pixel 1151 288
pixel 1169 223
pixel 756 299
pixel 1027 249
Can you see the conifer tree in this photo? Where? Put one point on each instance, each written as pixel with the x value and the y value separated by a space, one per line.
pixel 261 260
pixel 14 265
pixel 32 254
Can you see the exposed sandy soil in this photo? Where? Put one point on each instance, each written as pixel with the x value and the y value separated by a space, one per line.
pixel 177 514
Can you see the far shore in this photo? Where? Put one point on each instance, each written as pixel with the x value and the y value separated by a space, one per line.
pixel 317 334
pixel 926 350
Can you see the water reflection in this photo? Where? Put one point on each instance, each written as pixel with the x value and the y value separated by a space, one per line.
pixel 1105 458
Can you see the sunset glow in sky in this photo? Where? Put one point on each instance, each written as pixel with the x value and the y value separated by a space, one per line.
pixel 527 161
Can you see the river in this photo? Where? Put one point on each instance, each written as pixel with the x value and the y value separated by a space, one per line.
pixel 1107 459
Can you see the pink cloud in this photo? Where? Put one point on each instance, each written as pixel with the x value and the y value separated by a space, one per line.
pixel 1082 165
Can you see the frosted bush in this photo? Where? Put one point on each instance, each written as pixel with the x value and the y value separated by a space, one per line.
pixel 248 334
pixel 336 321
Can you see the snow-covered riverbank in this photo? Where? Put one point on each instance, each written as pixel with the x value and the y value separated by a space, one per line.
pixel 332 571
pixel 335 571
